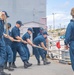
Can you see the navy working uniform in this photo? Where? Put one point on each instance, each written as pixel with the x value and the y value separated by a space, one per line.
pixel 69 40
pixel 25 48
pixel 9 53
pixel 2 44
pixel 40 50
pixel 16 46
pixel 26 37
pixel 37 41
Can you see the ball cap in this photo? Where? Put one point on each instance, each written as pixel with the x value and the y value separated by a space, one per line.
pixel 5 13
pixel 41 29
pixel 9 24
pixel 30 29
pixel 19 22
pixel 45 33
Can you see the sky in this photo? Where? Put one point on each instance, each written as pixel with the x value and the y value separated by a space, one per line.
pixel 61 10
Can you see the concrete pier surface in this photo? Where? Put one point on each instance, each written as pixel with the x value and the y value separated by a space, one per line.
pixel 55 68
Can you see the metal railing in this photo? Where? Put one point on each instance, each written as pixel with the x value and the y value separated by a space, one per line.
pixel 60 54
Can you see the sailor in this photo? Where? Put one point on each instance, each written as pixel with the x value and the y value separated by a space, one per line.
pixel 3 17
pixel 39 41
pixel 69 38
pixel 17 47
pixel 27 37
pixel 9 53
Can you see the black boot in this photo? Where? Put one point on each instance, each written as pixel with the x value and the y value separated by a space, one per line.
pixel 5 65
pixel 26 65
pixel 44 62
pixel 2 72
pixel 10 68
pixel 29 63
pixel 38 62
pixel 13 65
pixel 48 62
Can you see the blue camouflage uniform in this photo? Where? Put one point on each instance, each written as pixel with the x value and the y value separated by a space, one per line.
pixel 37 41
pixel 16 46
pixel 69 40
pixel 2 44
pixel 9 53
pixel 25 37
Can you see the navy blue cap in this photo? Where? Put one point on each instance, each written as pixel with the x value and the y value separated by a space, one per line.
pixel 45 33
pixel 30 29
pixel 19 22
pixel 41 29
pixel 5 13
pixel 9 24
